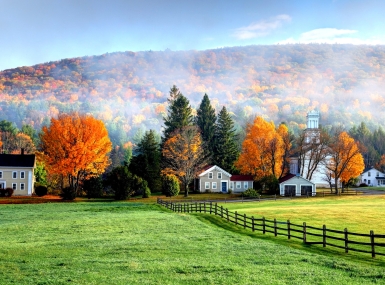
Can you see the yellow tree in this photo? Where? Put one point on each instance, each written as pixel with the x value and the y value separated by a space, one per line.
pixel 75 146
pixel 346 161
pixel 184 155
pixel 262 150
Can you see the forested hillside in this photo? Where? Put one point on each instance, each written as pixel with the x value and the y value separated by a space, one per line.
pixel 129 91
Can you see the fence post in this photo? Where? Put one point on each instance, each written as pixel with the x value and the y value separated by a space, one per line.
pixel 346 240
pixel 216 207
pixel 204 207
pixel 304 232
pixel 227 214
pixel 263 225
pixel 324 235
pixel 196 207
pixel 211 207
pixel 244 221
pixel 288 229
pixel 252 223
pixel 236 218
pixel 372 243
pixel 275 227
pixel 221 211
pixel 200 207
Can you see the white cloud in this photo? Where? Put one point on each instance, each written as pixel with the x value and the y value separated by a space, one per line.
pixel 332 36
pixel 260 28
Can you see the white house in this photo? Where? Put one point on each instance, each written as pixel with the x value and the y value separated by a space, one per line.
pixel 215 179
pixel 372 177
pixel 17 172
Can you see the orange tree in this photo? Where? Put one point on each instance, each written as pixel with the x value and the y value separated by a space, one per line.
pixel 346 161
pixel 184 155
pixel 263 150
pixel 75 146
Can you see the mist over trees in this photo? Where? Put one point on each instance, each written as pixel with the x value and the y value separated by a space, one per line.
pixel 129 91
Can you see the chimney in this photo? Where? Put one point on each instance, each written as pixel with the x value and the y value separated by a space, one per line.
pixel 22 151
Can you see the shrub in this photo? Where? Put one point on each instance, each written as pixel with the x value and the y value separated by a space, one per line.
pixel 41 190
pixel 147 193
pixel 7 192
pixel 68 193
pixel 229 191
pixel 93 187
pixel 363 185
pixel 250 193
pixel 170 185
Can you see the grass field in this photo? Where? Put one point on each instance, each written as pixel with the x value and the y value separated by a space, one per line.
pixel 360 213
pixel 135 243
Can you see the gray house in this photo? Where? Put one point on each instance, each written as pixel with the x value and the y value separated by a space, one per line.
pixel 295 185
pixel 17 172
pixel 215 179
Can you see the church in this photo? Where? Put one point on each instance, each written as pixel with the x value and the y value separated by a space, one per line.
pixel 309 162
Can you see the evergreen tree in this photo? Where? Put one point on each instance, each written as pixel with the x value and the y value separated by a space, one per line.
pixel 225 149
pixel 179 113
pixel 146 162
pixel 206 120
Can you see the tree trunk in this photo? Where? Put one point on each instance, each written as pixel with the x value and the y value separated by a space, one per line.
pixel 336 186
pixel 186 190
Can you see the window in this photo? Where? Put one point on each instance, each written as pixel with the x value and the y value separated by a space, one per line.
pixel 219 175
pixel 378 174
pixel 210 175
pixel 214 185
pixel 14 186
pixel 207 185
pixel 369 174
pixel 245 185
pixel 238 185
pixel 369 182
pixel 364 180
pixel 1 174
pixel 22 174
pixel 231 185
pixel 22 186
pixel 14 174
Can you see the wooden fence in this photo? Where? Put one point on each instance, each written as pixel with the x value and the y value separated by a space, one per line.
pixel 366 243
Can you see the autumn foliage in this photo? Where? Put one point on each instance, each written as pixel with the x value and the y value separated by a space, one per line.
pixel 263 150
pixel 75 146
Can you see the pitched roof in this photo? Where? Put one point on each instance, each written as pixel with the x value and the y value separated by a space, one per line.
pixel 17 160
pixel 286 177
pixel 241 178
pixel 211 168
pixel 290 176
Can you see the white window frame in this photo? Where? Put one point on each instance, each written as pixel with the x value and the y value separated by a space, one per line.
pixel 22 174
pixel 207 185
pixel 1 174
pixel 14 186
pixel 369 174
pixel 245 185
pixel 219 175
pixel 231 185
pixel 14 174
pixel 210 175
pixel 238 185
pixel 22 186
pixel 214 185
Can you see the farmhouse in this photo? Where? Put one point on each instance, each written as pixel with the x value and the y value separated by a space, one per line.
pixel 215 179
pixel 17 172
pixel 295 185
pixel 372 177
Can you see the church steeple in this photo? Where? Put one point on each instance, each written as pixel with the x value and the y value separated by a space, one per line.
pixel 312 131
pixel 312 120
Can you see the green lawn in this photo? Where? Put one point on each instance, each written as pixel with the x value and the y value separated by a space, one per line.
pixel 134 243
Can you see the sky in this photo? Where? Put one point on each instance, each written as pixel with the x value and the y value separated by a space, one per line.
pixel 39 31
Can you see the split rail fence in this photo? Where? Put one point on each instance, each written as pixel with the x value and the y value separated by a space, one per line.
pixel 366 243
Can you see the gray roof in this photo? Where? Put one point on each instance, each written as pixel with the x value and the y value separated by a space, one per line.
pixel 17 160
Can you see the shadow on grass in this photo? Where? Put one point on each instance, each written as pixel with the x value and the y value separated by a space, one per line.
pixel 292 243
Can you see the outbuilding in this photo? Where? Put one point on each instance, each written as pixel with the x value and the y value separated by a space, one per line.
pixel 295 185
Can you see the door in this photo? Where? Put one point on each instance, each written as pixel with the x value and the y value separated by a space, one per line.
pixel 224 187
pixel 290 190
pixel 306 190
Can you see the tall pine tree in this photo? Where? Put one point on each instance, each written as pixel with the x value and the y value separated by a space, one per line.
pixel 146 163
pixel 206 121
pixel 225 149
pixel 179 113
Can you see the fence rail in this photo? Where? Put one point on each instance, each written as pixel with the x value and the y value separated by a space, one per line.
pixel 365 243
